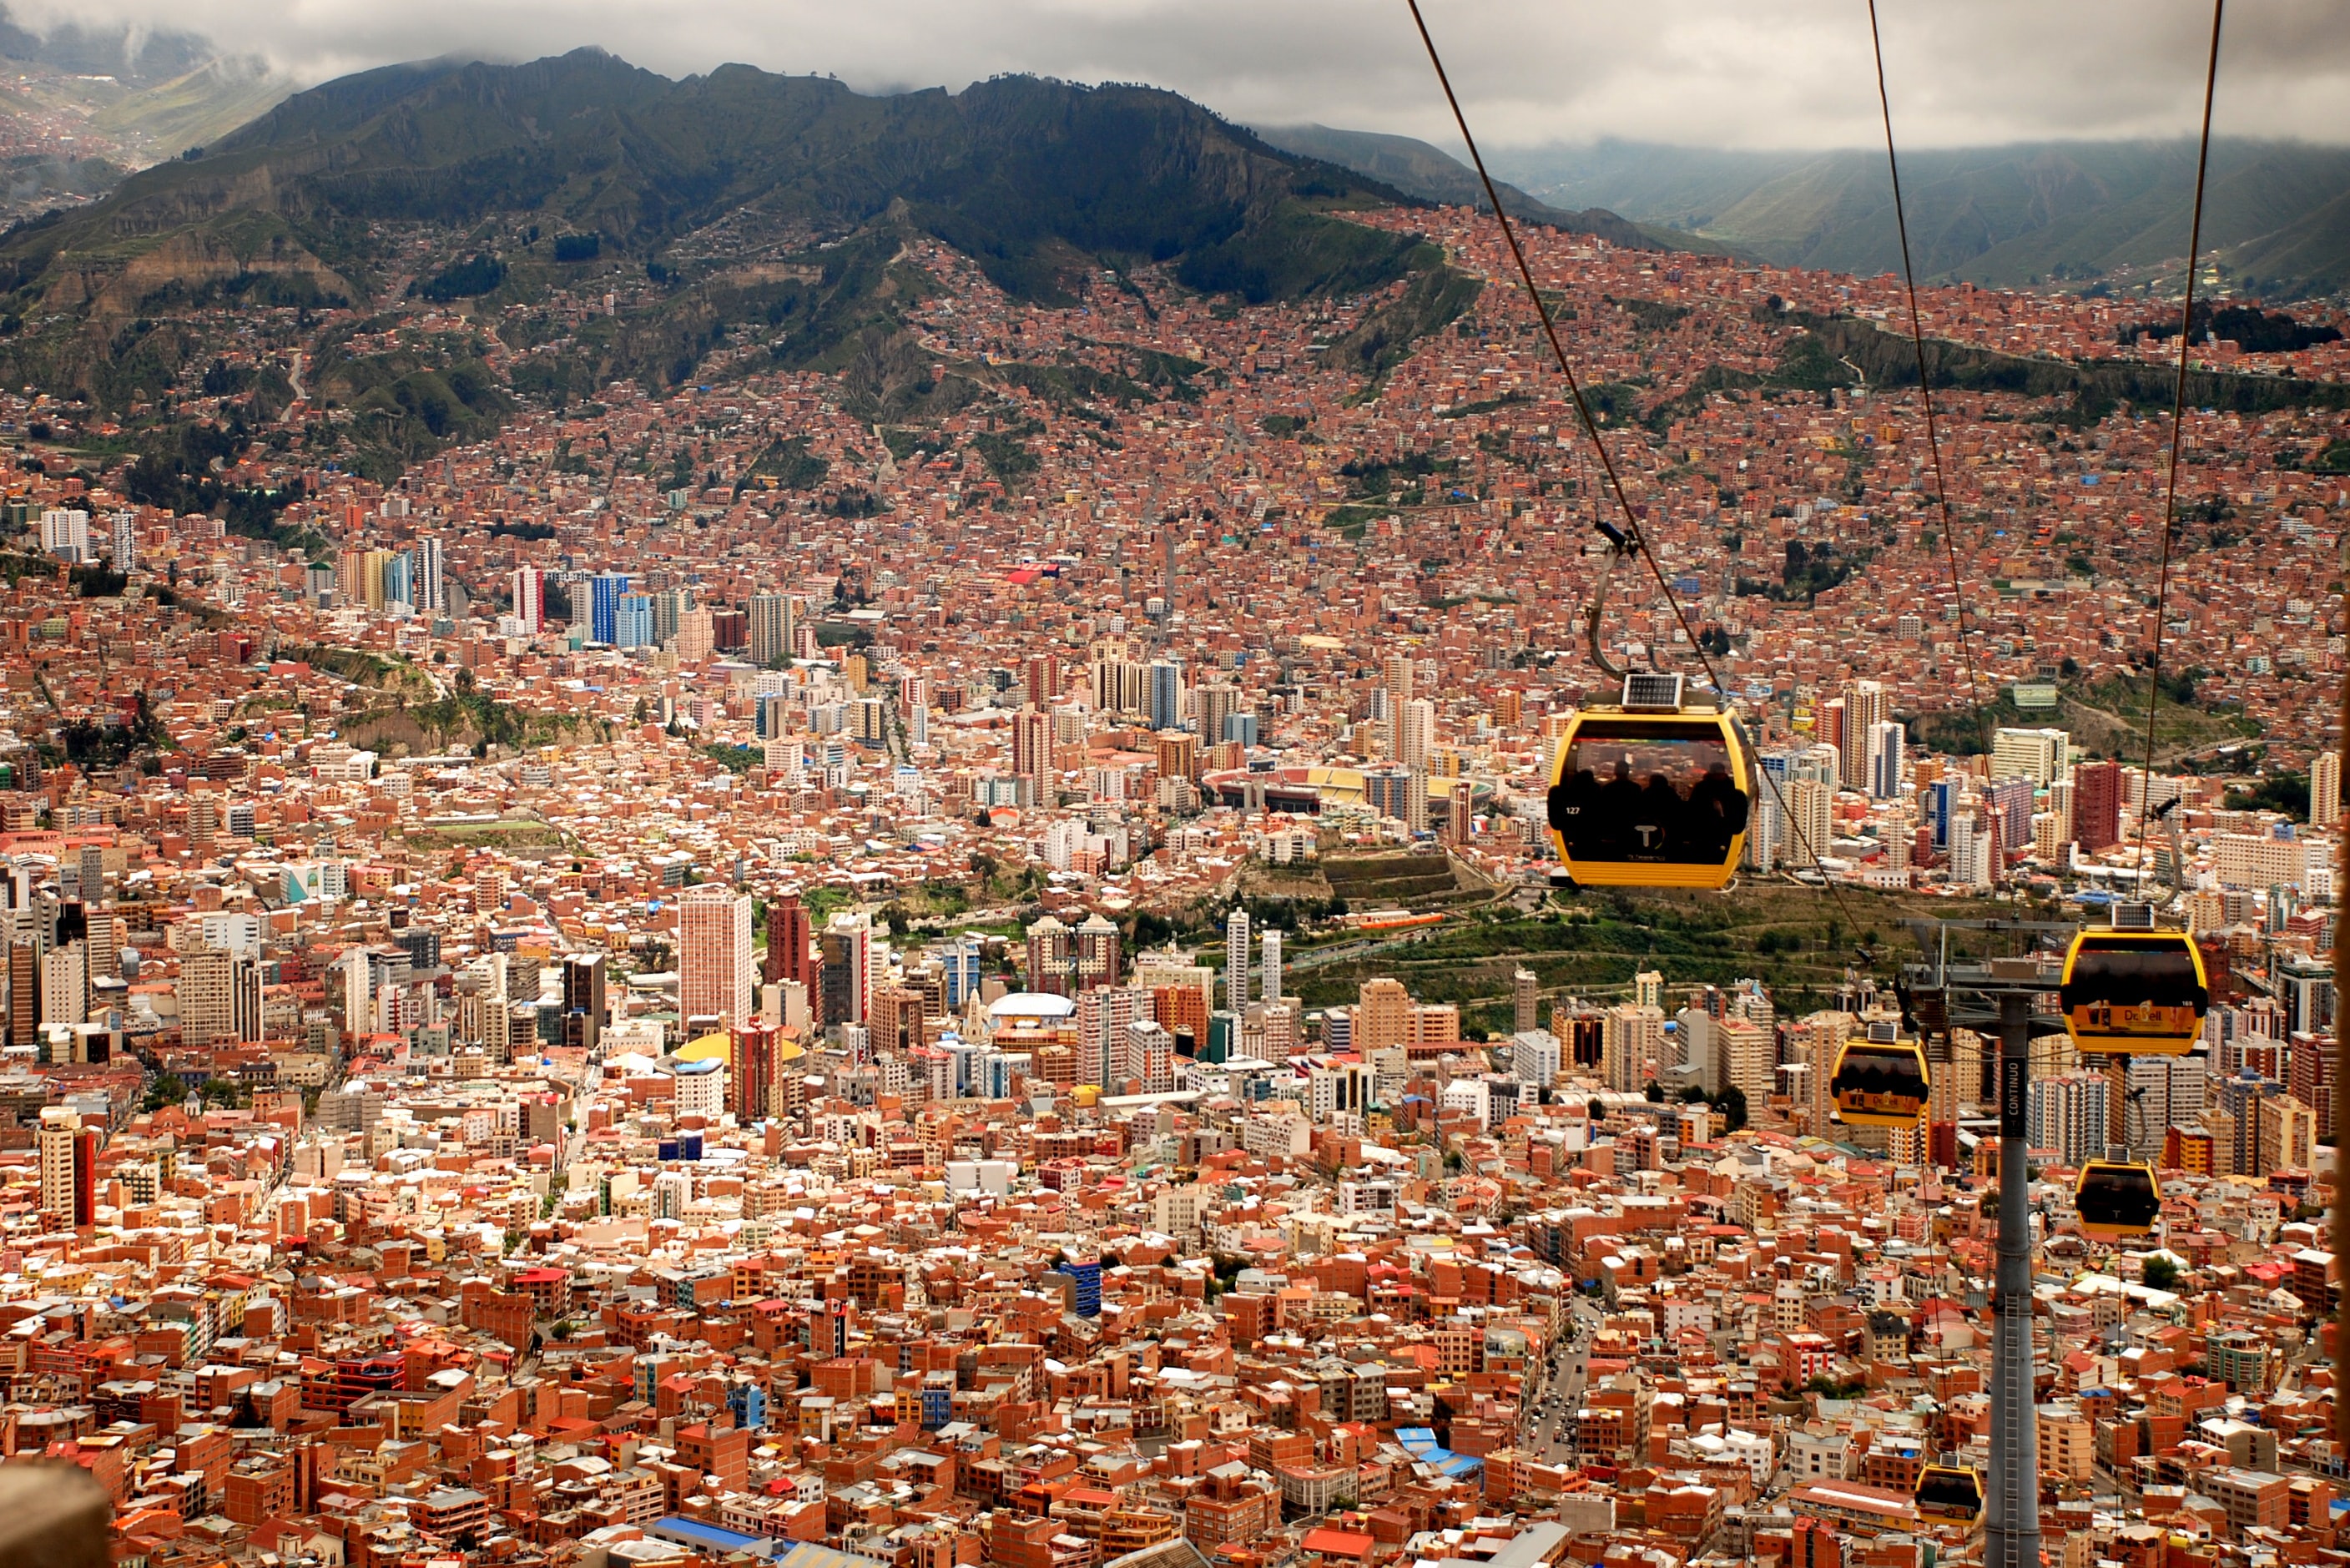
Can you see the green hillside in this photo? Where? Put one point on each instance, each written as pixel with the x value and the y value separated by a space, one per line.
pixel 197 107
pixel 733 206
pixel 1031 178
pixel 2277 217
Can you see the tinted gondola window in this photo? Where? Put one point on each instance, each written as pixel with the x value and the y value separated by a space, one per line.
pixel 1879 1085
pixel 2134 977
pixel 1644 791
pixel 2118 1198
pixel 2134 992
pixel 1948 1492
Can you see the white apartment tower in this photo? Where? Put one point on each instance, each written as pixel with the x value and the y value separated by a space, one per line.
pixel 1974 855
pixel 1236 961
pixel 1417 735
pixel 2036 754
pixel 1811 814
pixel 530 598
pixel 60 1131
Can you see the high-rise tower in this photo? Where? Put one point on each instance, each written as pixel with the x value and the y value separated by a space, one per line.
pixel 1236 961
pixel 605 591
pixel 714 977
pixel 1865 708
pixel 1031 750
pixel 2325 789
pixel 1416 734
pixel 583 999
pixel 771 629
pixel 69 1158
pixel 1166 694
pixel 789 955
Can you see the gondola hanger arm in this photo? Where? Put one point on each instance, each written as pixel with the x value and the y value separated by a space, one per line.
pixel 1621 547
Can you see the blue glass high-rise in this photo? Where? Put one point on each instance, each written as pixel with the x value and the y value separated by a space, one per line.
pixel 1942 805
pixel 632 622
pixel 1166 694
pixel 605 591
pixel 399 580
pixel 961 961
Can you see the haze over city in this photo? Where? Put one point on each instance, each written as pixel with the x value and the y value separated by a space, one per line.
pixel 753 815
pixel 1690 73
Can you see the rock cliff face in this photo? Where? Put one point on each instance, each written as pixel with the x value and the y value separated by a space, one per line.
pixel 184 263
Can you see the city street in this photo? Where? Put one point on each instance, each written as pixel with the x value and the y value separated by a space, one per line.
pixel 1547 1422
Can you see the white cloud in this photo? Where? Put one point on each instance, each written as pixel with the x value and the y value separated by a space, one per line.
pixel 1732 73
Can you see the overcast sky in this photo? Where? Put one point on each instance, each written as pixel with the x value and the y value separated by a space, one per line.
pixel 1729 73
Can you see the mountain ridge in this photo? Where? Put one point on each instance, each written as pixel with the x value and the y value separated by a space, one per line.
pixel 590 143
pixel 2040 213
pixel 1419 169
pixel 732 206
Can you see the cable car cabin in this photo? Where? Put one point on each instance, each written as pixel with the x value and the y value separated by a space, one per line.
pixel 2135 993
pixel 1651 794
pixel 1880 1083
pixel 2118 1201
pixel 1948 1492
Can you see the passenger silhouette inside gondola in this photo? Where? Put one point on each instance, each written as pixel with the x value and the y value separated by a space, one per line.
pixel 1719 808
pixel 1619 808
pixel 1657 829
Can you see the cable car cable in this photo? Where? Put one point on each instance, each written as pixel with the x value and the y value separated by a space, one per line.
pixel 2178 423
pixel 1636 541
pixel 1550 326
pixel 1926 393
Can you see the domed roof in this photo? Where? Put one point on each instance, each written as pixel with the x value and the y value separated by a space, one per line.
pixel 1031 1004
pixel 718 1047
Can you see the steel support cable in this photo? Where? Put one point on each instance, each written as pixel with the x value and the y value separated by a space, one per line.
pixel 2177 427
pixel 1633 533
pixel 1926 394
pixel 2341 1096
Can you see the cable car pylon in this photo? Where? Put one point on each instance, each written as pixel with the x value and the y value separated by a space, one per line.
pixel 1996 998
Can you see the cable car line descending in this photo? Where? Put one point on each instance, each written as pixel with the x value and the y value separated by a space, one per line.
pixel 2131 989
pixel 2178 424
pixel 1926 394
pixel 1629 541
